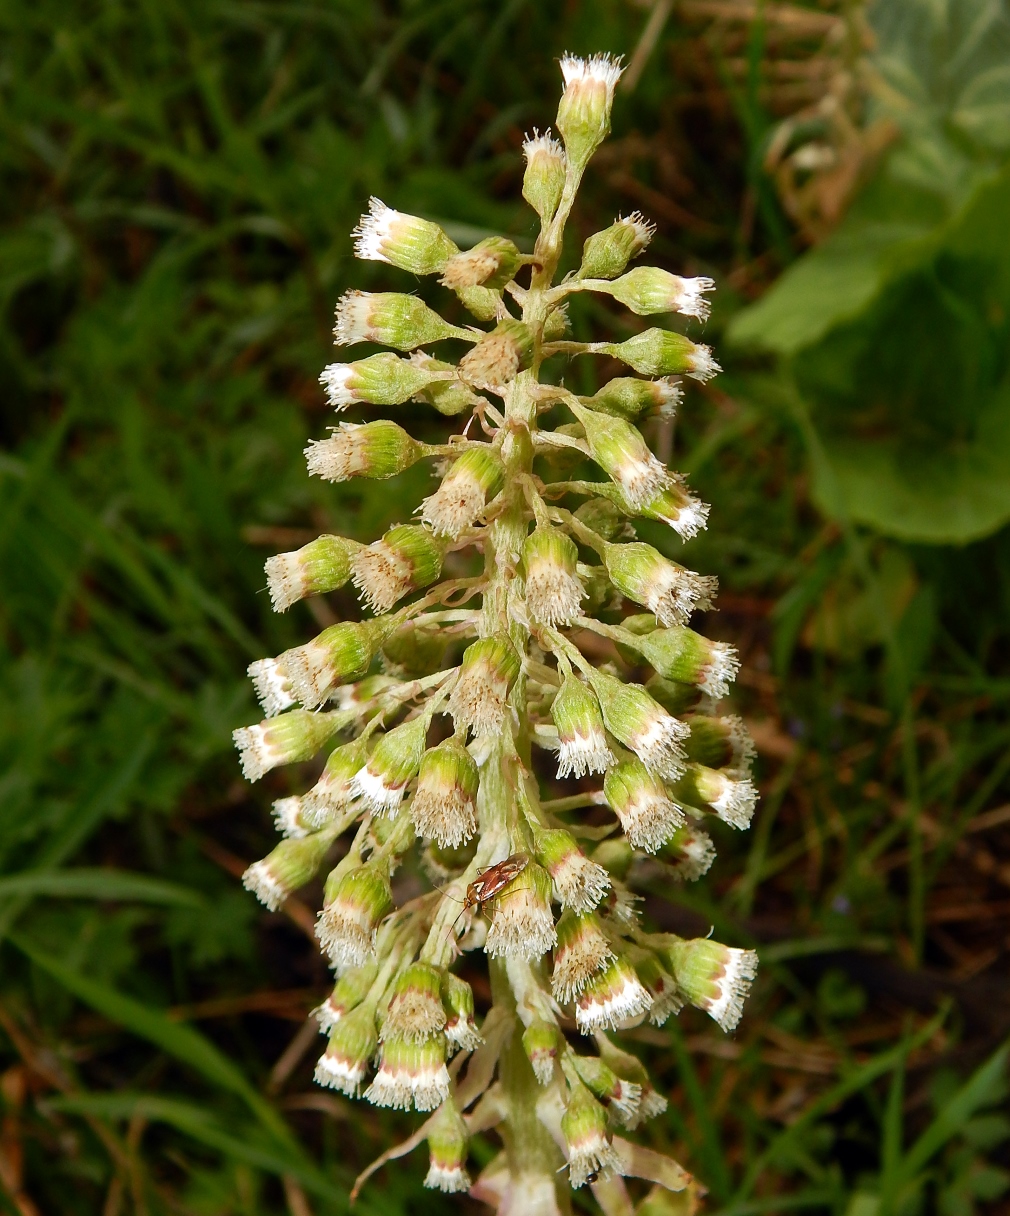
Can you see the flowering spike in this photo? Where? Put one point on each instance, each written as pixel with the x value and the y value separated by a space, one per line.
pixel 482 611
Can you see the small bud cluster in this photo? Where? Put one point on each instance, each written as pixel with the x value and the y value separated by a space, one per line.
pixel 450 703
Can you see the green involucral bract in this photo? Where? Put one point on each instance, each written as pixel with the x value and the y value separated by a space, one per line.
pixel 463 695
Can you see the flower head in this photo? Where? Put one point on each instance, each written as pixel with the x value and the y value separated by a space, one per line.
pixel 523 924
pixel 415 1010
pixel 406 241
pixel 584 113
pixel 447 1149
pixel 444 807
pixel 348 993
pixel 584 1125
pixel 296 735
pixel 614 997
pixel 639 799
pixel 472 480
pixel 411 1074
pixel 290 866
pixel 582 951
pixel 642 724
pixel 349 1052
pixel 460 1028
pixel 372 449
pixel 578 883
pixel 583 739
pixel 322 565
pixel 714 977
pixel 553 590
pixel 605 254
pixel 347 924
pixel 544 178
pixel 489 669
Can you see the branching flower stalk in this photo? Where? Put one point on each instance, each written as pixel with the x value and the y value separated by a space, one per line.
pixel 447 751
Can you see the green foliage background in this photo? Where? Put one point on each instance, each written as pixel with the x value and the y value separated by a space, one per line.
pixel 179 183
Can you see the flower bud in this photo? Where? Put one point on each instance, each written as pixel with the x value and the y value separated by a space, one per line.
pixel 584 1125
pixel 406 241
pixel 347 924
pixel 348 1054
pixel 544 178
pixel 407 558
pixel 631 715
pixel 685 656
pixel 383 379
pixel 556 324
pixel 415 1010
pixel 474 478
pixel 460 1028
pixel 553 591
pixel 720 743
pixel 484 303
pixel 348 993
pixel 377 450
pixel 620 451
pixel 689 852
pixel 542 1042
pixel 647 289
pixel 730 797
pixel 579 883
pixel 644 575
pixel 272 685
pixel 489 669
pixel 333 791
pixel 620 1096
pixel 393 764
pixel 444 807
pixel 602 516
pixel 661 352
pixel 628 398
pixel 499 356
pixel 714 977
pixel 523 924
pixel 289 866
pixel 581 952
pixel 605 254
pixel 584 112
pixel 447 1150
pixel 576 714
pixel 448 396
pixel 675 698
pixel 413 650
pixel 491 263
pixel 639 799
pixel 390 319
pixel 296 735
pixel 614 997
pixel 411 1074
pixel 324 564
pixel 340 654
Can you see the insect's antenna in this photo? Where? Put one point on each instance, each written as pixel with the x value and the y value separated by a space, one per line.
pixel 452 927
pixel 449 895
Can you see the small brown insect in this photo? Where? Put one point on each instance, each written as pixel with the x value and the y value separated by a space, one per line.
pixel 489 882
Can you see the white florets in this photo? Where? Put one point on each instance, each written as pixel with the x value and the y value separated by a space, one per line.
pixel 583 754
pixel 353 319
pixel 272 686
pixel 734 984
pixel 373 791
pixel 721 671
pixel 372 230
pixel 659 745
pixel 450 1179
pixel 345 932
pixel 381 575
pixel 287 817
pixel 641 478
pixel 650 820
pixel 545 144
pixel 285 581
pixel 255 754
pixel 692 302
pixel 621 1002
pixel 340 1074
pixel 553 595
pixel 334 379
pixel 593 1156
pixel 735 804
pixel 265 885
pixel 398 1087
pixel 599 69
pixel 522 926
pixel 449 819
pixel 703 365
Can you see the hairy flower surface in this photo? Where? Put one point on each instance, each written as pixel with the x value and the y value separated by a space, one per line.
pixel 472 713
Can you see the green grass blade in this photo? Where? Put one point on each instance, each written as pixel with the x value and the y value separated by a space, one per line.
pixel 99 883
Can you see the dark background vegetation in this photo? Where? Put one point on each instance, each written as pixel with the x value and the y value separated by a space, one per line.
pixel 179 181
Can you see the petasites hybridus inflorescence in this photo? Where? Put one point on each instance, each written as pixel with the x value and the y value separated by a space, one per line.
pixel 439 708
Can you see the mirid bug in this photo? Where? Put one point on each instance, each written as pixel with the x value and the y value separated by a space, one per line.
pixel 489 882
